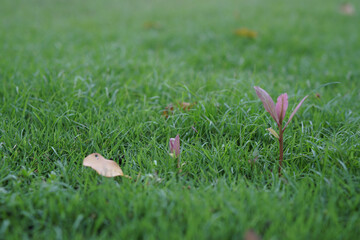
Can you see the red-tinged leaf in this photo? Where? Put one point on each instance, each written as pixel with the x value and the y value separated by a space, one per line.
pixel 281 106
pixel 294 112
pixel 268 102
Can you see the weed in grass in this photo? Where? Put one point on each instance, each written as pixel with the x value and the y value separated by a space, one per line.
pixel 278 113
pixel 174 145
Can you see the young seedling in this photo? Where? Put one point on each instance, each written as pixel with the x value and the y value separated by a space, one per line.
pixel 277 112
pixel 174 145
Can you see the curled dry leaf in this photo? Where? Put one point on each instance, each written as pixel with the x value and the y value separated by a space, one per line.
pixel 244 32
pixel 102 166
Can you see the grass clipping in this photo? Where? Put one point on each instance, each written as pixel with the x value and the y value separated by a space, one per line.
pixel 103 166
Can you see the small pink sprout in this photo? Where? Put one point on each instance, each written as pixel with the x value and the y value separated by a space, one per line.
pixel 174 144
pixel 278 113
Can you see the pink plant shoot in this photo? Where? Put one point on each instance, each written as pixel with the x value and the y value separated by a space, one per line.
pixel 174 144
pixel 278 113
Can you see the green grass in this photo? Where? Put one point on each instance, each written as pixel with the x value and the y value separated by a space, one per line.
pixel 78 77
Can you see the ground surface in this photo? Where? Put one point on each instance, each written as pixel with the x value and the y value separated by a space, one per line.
pixel 78 77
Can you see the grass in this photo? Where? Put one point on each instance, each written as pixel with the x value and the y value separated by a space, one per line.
pixel 81 77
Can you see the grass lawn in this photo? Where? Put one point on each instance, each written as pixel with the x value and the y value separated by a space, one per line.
pixel 78 77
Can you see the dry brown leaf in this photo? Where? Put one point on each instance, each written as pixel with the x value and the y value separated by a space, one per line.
pixel 185 105
pixel 347 9
pixel 251 235
pixel 102 166
pixel 169 109
pixel 244 32
pixel 152 25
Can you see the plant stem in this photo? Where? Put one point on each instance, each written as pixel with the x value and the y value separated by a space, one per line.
pixel 281 148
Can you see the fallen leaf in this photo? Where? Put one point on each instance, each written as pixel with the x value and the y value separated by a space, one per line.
pixel 102 166
pixel 347 9
pixel 185 105
pixel 151 25
pixel 246 33
pixel 251 235
pixel 169 109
